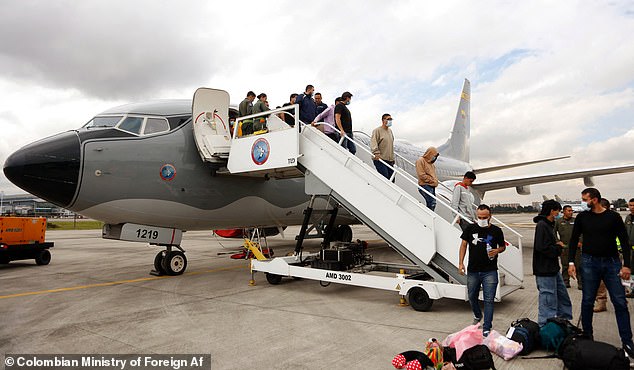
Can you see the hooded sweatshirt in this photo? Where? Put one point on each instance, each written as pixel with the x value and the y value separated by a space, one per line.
pixel 425 170
pixel 545 249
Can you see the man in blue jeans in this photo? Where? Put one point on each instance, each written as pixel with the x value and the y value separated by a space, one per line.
pixel 554 300
pixel 485 242
pixel 427 179
pixel 600 259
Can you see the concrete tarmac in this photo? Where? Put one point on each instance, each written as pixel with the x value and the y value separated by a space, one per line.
pixel 97 297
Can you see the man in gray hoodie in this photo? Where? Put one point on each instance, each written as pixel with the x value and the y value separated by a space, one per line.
pixel 462 199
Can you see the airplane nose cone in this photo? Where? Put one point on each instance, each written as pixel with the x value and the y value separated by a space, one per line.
pixel 48 168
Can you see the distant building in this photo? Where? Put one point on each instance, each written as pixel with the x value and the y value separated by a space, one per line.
pixel 508 205
pixel 30 205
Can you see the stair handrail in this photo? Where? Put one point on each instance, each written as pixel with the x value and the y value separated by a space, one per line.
pixel 519 236
pixel 406 175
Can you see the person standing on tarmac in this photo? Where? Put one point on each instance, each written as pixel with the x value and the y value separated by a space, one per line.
pixel 600 228
pixel 382 146
pixel 629 227
pixel 554 300
pixel 485 242
pixel 426 173
pixel 563 231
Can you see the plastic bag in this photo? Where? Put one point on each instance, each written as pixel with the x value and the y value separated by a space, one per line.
pixel 464 339
pixel 502 346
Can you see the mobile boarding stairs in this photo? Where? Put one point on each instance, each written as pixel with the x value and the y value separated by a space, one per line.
pixel 429 240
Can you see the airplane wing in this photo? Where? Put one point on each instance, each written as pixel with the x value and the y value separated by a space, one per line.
pixel 519 182
pixel 512 165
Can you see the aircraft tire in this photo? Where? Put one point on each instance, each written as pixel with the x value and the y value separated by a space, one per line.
pixel 43 257
pixel 419 299
pixel 343 233
pixel 158 262
pixel 174 263
pixel 273 279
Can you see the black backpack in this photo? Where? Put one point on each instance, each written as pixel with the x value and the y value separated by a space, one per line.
pixel 581 353
pixel 533 332
pixel 476 358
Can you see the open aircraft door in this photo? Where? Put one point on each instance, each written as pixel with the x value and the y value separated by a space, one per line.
pixel 210 115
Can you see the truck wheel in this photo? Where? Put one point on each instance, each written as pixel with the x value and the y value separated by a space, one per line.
pixel 158 262
pixel 43 257
pixel 174 263
pixel 273 279
pixel 419 299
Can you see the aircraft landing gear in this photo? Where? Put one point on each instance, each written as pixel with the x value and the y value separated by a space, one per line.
pixel 170 262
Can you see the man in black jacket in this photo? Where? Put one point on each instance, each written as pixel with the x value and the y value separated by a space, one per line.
pixel 554 300
pixel 600 258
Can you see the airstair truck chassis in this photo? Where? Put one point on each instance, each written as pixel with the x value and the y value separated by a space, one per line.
pixel 420 293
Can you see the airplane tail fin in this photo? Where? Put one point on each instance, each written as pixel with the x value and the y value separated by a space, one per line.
pixel 457 146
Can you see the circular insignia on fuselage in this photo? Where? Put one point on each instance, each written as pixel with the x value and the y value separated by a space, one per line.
pixel 260 151
pixel 168 172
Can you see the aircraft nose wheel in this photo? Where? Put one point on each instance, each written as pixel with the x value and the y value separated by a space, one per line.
pixel 174 263
pixel 158 263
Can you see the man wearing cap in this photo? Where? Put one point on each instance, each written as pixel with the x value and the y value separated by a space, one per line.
pixel 382 146
pixel 343 118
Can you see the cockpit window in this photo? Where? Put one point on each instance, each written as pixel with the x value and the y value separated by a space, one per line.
pixel 131 124
pixel 110 121
pixel 154 125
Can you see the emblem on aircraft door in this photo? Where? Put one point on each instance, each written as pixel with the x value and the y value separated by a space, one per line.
pixel 168 172
pixel 260 151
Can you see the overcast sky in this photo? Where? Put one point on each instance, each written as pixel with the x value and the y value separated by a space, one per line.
pixel 548 78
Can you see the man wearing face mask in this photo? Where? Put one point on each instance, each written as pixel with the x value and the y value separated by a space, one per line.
pixel 427 179
pixel 485 242
pixel 343 119
pixel 554 300
pixel 382 146
pixel 307 105
pixel 600 258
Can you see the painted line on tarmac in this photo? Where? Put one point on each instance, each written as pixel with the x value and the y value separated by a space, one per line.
pixel 119 282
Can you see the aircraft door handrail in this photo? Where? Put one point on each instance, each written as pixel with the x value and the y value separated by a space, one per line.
pixel 294 107
pixel 407 176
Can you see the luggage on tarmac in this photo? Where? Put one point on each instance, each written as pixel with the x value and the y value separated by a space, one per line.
pixel 526 332
pixel 555 331
pixel 476 358
pixel 579 352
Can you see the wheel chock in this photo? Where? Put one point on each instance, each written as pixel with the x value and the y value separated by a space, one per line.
pixel 403 302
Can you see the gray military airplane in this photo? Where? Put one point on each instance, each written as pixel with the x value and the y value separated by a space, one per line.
pixel 138 169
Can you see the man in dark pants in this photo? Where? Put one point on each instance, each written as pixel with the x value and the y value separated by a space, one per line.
pixel 563 231
pixel 343 119
pixel 629 227
pixel 600 259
